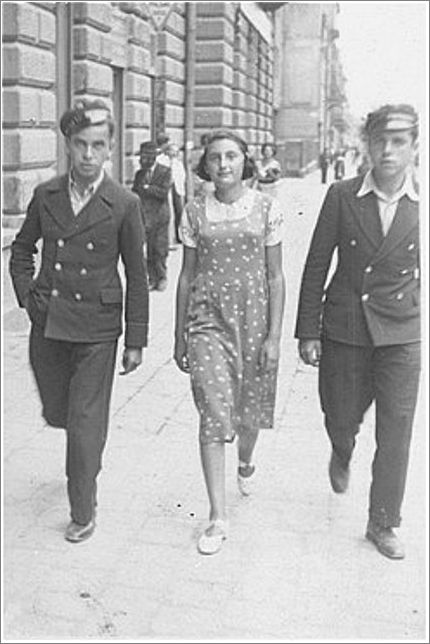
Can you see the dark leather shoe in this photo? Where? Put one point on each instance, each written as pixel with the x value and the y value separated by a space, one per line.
pixel 385 540
pixel 75 532
pixel 339 475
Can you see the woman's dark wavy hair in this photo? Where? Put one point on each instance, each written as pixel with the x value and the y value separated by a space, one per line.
pixel 249 167
pixel 269 145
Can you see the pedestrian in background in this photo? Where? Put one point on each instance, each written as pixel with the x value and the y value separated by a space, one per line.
pixel 177 190
pixel 230 301
pixel 86 222
pixel 268 170
pixel 162 141
pixel 339 165
pixel 152 183
pixel 324 164
pixel 368 346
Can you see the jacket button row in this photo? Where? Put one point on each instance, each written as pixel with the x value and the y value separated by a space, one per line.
pixel 353 242
pixel 58 266
pixel 83 271
pixel 404 271
pixel 365 297
pixel 78 297
pixel 54 292
pixel 60 243
pixel 368 269
pixel 399 296
pixel 90 246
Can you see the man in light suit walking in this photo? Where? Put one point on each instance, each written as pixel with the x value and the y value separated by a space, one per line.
pixel 86 222
pixel 363 330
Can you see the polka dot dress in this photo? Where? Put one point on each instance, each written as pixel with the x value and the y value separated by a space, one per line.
pixel 228 312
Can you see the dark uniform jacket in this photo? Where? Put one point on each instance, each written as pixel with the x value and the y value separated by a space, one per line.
pixel 373 297
pixel 77 295
pixel 154 197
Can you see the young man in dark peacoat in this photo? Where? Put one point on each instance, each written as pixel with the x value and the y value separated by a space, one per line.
pixel 152 183
pixel 363 330
pixel 86 222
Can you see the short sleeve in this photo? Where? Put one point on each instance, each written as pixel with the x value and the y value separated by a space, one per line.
pixel 274 224
pixel 188 228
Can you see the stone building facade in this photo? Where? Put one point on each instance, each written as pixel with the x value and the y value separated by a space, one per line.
pixel 138 57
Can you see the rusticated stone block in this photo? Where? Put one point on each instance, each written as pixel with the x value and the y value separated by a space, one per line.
pixel 28 65
pixel 171 68
pixel 174 115
pixel 96 14
pixel 28 148
pixel 137 87
pixel 92 78
pixel 138 31
pixel 137 114
pixel 28 106
pixel 222 9
pixel 19 21
pixel 219 95
pixel 214 52
pixel 87 43
pixel 214 73
pixel 171 45
pixel 212 118
pixel 215 30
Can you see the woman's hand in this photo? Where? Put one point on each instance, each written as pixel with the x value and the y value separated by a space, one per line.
pixel 180 355
pixel 269 354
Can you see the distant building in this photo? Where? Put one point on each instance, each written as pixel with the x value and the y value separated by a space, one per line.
pixel 309 84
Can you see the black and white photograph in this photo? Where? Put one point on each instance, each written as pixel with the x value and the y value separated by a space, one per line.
pixel 214 391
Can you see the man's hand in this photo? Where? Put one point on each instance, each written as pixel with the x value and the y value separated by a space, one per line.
pixel 310 351
pixel 131 359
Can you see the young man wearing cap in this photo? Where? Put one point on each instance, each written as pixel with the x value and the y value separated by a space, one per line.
pixel 86 222
pixel 152 183
pixel 363 329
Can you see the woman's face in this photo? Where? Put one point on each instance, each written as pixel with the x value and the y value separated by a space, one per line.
pixel 268 152
pixel 224 162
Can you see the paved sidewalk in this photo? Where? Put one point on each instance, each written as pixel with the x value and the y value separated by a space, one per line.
pixel 296 565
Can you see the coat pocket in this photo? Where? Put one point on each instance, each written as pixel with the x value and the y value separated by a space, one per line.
pixel 111 296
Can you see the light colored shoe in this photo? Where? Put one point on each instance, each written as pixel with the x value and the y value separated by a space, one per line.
pixel 245 479
pixel 212 538
pixel 75 532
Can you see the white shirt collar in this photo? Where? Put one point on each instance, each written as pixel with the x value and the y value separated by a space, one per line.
pixel 92 187
pixel 407 188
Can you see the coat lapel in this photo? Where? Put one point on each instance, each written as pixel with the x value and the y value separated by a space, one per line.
pixel 58 202
pixel 367 215
pixel 99 206
pixel 405 219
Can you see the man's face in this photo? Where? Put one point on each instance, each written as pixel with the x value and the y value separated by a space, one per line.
pixel 88 150
pixel 147 158
pixel 391 152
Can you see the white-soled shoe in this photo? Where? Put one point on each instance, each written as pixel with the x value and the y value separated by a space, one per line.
pixel 212 538
pixel 246 479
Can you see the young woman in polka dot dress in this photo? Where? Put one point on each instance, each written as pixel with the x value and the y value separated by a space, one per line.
pixel 230 301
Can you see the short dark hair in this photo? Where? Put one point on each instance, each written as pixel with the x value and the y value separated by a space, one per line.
pixel 268 144
pixel 162 138
pixel 249 167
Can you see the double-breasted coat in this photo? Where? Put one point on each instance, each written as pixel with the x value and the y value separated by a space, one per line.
pixel 373 297
pixel 78 294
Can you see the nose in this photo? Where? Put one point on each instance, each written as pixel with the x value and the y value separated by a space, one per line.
pixel 88 152
pixel 387 147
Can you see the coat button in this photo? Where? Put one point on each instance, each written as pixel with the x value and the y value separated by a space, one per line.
pixel 368 269
pixel 90 246
pixel 60 243
pixel 54 292
pixel 83 271
pixel 365 297
pixel 404 271
pixel 353 242
pixel 58 266
pixel 78 297
pixel 411 246
pixel 399 296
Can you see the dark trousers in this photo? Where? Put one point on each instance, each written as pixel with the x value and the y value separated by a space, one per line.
pixel 157 251
pixel 350 379
pixel 75 385
pixel 178 205
pixel 324 169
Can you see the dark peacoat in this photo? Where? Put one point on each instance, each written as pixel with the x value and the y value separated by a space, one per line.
pixel 373 297
pixel 153 195
pixel 77 295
